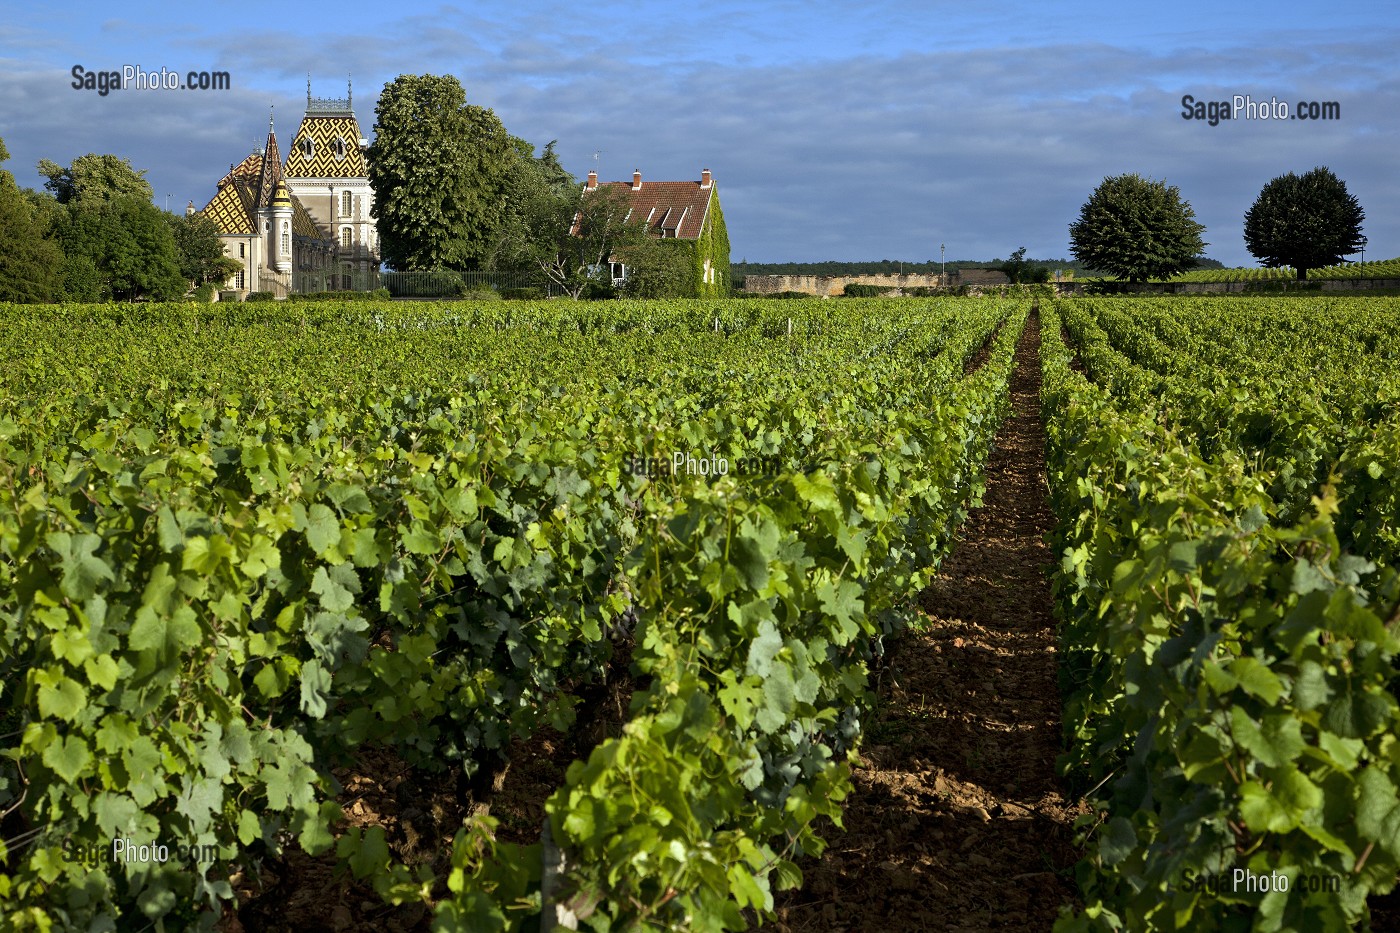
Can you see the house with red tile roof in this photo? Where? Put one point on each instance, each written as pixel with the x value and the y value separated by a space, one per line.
pixel 687 212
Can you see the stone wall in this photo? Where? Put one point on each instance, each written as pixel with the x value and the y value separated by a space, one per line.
pixel 835 285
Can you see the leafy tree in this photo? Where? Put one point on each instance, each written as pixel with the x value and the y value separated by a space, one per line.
pixel 129 243
pixel 439 168
pixel 657 269
pixel 1137 229
pixel 95 177
pixel 31 264
pixel 571 236
pixel 199 252
pixel 533 184
pixel 1305 221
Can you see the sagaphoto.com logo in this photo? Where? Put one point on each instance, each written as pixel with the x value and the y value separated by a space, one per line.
pixel 134 77
pixel 1245 107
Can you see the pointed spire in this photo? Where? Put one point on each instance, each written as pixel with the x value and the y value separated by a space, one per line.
pixel 269 117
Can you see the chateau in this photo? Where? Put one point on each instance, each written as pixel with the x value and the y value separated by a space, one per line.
pixel 302 225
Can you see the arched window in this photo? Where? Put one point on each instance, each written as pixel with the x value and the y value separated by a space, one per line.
pixel 345 237
pixel 286 239
pixel 338 147
pixel 345 203
pixel 307 148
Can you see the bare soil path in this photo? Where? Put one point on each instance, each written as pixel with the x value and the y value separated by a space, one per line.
pixel 958 821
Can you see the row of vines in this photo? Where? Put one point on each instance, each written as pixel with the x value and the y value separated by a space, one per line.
pixel 239 548
pixel 1226 486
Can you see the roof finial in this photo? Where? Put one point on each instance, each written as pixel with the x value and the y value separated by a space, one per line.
pixel 308 90
pixel 349 94
pixel 269 117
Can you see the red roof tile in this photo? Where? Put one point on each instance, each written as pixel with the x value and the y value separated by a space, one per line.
pixel 673 209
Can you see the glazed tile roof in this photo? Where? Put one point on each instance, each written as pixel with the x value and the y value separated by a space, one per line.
pixel 326 146
pixel 249 187
pixel 271 171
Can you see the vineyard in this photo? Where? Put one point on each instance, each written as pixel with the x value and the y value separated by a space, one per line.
pixel 1375 269
pixel 248 553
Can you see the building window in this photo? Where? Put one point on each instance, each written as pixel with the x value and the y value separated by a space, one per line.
pixel 346 281
pixel 344 237
pixel 286 241
pixel 345 203
pixel 241 250
pixel 338 147
pixel 238 280
pixel 307 148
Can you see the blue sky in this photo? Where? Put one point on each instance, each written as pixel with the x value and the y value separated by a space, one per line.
pixel 834 131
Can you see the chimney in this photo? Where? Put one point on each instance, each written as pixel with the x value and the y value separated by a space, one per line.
pixel 705 181
pixel 637 180
pixel 592 181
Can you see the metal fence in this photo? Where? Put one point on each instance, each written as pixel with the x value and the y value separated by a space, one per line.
pixel 449 284
pixel 268 282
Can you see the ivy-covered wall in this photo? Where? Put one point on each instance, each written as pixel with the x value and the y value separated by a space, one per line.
pixel 713 244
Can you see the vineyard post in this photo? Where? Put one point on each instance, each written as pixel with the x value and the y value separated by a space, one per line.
pixel 552 869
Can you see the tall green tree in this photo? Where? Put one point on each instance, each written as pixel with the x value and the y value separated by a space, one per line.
pixel 1137 229
pixel 31 263
pixel 128 242
pixel 439 168
pixel 94 177
pixel 198 251
pixel 530 181
pixel 1305 221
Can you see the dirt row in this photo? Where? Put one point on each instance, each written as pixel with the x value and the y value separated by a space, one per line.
pixel 957 821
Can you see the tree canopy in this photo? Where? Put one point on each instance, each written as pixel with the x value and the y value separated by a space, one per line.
pixel 31 264
pixel 94 177
pixel 128 242
pixel 198 251
pixel 1018 269
pixel 439 168
pixel 570 236
pixel 1136 228
pixel 1305 221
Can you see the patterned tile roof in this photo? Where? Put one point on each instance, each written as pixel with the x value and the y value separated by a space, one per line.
pixel 271 171
pixel 673 209
pixel 232 208
pixel 326 146
pixel 304 225
pixel 249 187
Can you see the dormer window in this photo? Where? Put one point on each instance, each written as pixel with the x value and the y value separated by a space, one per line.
pixel 308 148
pixel 338 147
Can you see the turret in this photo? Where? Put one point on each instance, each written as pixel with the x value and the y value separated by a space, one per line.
pixel 281 246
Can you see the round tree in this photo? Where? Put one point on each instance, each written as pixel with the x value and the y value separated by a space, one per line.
pixel 1304 221
pixel 1137 229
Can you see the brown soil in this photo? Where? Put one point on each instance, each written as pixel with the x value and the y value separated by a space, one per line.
pixel 957 821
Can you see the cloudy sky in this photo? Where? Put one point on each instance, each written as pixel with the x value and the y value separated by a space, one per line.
pixel 834 130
